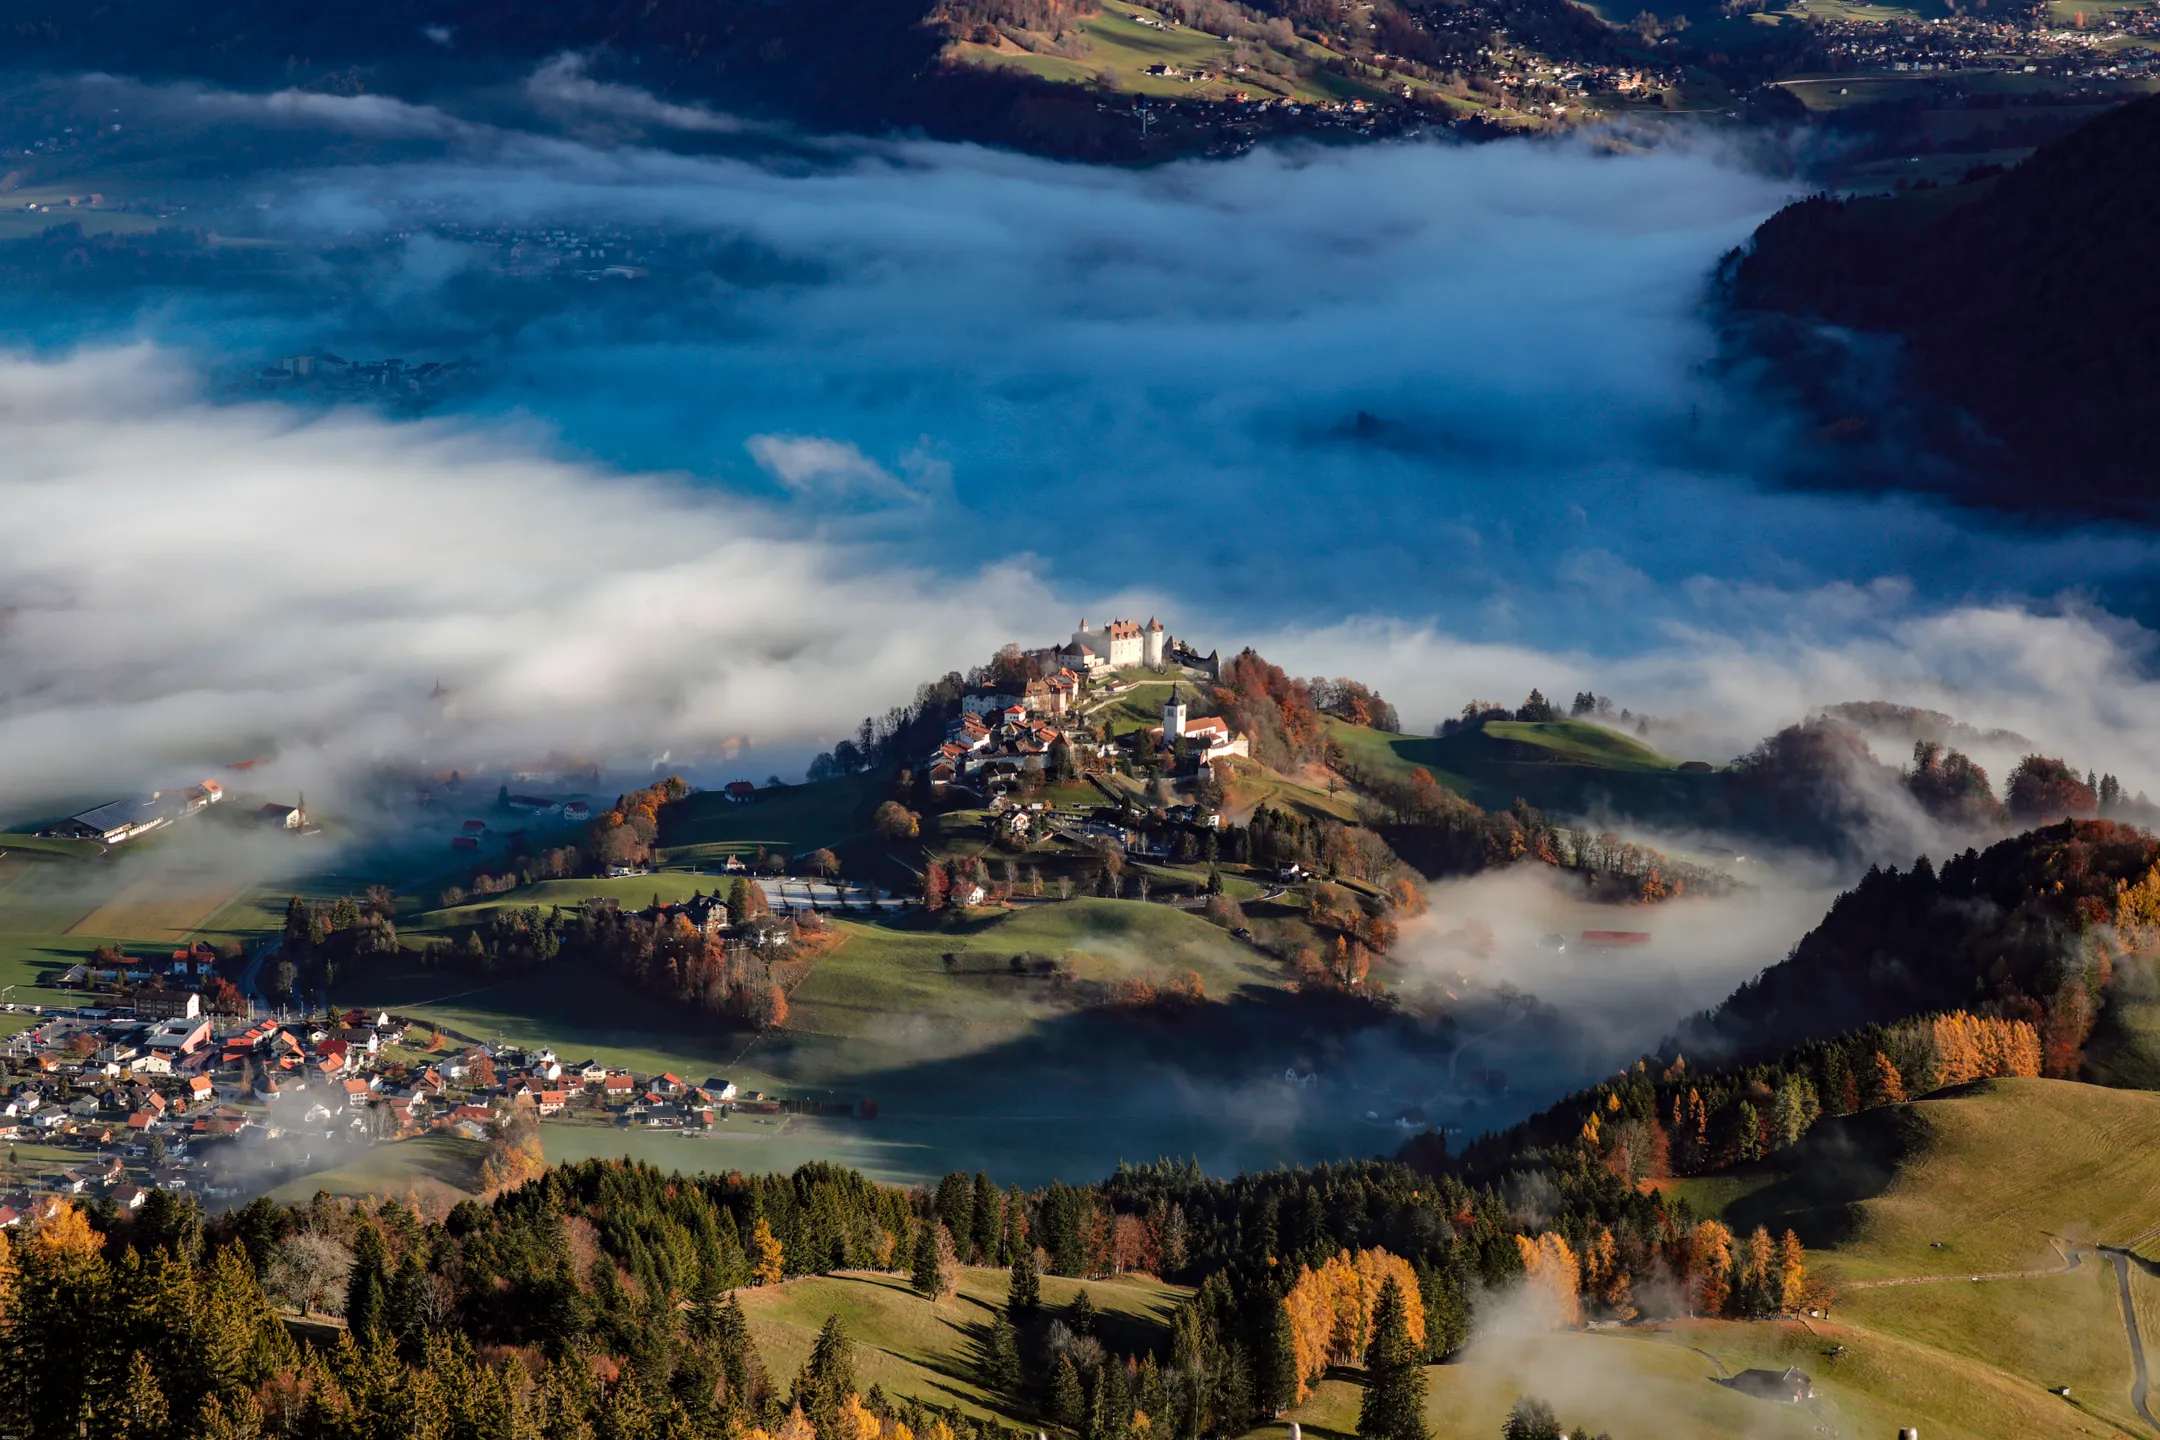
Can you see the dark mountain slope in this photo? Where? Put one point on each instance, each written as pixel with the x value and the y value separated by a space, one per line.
pixel 2028 929
pixel 2030 300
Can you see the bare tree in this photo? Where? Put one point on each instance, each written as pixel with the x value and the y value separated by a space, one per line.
pixel 309 1271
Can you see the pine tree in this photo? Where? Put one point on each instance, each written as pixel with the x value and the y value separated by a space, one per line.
pixel 1081 1317
pixel 1025 1293
pixel 1394 1403
pixel 1016 1238
pixel 1001 1359
pixel 988 1222
pixel 1113 1401
pixel 740 1365
pixel 954 1208
pixel 1068 1407
pixel 142 1413
pixel 1531 1419
pixel 367 1307
pixel 827 1377
pixel 925 1278
pixel 1275 1377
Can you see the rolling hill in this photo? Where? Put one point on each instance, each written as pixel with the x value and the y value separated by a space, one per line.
pixel 1982 1180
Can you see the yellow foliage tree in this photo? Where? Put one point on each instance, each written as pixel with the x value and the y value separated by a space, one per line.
pixel 2137 909
pixel 1710 1261
pixel 66 1231
pixel 854 1421
pixel 1552 1276
pixel 767 1262
pixel 1792 1273
pixel 797 1426
pixel 1331 1310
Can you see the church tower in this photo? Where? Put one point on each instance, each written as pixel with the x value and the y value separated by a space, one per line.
pixel 1173 717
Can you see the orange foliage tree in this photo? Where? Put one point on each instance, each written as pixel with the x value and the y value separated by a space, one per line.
pixel 1331 1310
pixel 1552 1277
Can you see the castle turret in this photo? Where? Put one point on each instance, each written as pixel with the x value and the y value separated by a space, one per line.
pixel 1152 644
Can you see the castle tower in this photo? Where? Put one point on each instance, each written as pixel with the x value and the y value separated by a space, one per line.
pixel 1173 717
pixel 1152 644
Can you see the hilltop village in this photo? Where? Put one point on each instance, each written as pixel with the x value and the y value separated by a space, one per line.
pixel 1008 731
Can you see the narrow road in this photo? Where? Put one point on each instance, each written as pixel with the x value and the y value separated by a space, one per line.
pixel 2122 1259
pixel 2140 1389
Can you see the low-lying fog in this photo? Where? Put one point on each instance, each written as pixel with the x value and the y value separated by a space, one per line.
pixel 1448 419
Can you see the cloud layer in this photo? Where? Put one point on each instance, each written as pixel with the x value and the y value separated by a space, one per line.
pixel 1441 417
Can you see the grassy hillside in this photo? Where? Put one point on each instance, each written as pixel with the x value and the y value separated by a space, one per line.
pixel 1120 45
pixel 1904 1208
pixel 929 1352
pixel 971 1063
pixel 707 827
pixel 437 1170
pixel 1562 766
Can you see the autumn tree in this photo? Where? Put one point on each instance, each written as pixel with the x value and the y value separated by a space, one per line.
pixel 895 822
pixel 1710 1263
pixel 1332 1307
pixel 1885 1086
pixel 2041 789
pixel 766 1256
pixel 1552 1276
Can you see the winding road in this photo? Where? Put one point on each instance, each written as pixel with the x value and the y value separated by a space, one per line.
pixel 2073 1254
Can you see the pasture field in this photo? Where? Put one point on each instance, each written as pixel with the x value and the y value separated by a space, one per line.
pixel 439 1170
pixel 1993 1171
pixel 1248 786
pixel 1124 41
pixel 162 907
pixel 1139 708
pixel 926 1351
pixel 2003 1178
pixel 577 1009
pixel 1561 766
pixel 633 891
pixel 707 827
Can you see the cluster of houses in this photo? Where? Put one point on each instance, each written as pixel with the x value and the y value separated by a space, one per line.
pixel 1003 733
pixel 995 736
pixel 187 1102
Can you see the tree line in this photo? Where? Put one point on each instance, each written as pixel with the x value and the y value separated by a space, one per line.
pixel 599 1299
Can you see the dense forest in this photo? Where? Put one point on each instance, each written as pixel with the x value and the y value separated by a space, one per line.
pixel 599 1300
pixel 2029 929
pixel 2025 298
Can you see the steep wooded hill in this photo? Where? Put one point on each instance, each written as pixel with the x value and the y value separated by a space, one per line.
pixel 2028 300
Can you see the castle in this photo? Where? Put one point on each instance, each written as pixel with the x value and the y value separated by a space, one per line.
pixel 1115 645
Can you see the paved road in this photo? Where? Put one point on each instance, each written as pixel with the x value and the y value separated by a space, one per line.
pixel 2073 1256
pixel 2140 1389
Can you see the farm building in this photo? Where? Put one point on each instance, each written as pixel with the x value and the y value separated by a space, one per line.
pixel 1790 1385
pixel 114 821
